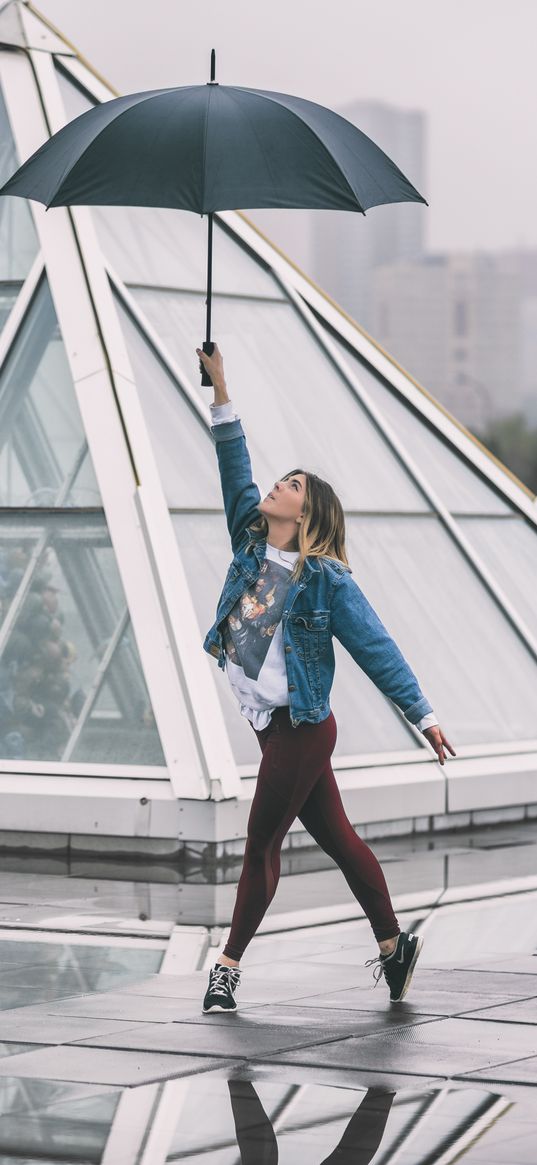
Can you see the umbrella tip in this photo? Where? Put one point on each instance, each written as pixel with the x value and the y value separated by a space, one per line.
pixel 213 64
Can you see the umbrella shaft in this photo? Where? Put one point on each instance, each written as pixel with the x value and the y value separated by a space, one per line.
pixel 209 276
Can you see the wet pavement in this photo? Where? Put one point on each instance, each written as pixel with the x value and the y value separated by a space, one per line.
pixel 106 1057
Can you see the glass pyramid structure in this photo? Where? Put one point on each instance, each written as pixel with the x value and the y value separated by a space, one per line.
pixel 114 544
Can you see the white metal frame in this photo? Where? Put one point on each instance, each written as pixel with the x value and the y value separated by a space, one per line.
pixel 140 528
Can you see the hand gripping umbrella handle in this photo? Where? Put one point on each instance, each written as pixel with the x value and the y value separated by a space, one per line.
pixel 208 348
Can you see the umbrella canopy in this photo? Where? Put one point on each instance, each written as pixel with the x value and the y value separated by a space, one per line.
pixel 211 147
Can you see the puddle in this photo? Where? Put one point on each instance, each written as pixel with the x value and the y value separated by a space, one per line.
pixel 240 1121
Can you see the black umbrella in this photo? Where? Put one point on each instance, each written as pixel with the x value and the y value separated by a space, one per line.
pixel 211 147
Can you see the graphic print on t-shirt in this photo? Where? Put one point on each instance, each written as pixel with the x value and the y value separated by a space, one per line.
pixel 250 625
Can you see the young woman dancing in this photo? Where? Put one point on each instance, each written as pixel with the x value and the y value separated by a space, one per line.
pixel 288 590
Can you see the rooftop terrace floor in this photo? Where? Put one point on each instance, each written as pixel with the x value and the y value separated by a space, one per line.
pixel 102 1061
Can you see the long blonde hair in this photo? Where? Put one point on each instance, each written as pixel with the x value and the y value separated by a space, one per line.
pixel 321 534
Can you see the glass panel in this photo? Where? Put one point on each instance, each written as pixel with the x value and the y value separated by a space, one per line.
pixel 65 641
pixel 149 246
pixel 458 486
pixel 8 295
pixel 181 442
pixel 509 549
pixel 44 1122
pixel 42 443
pixel 471 665
pixel 18 240
pixel 109 728
pixel 204 544
pixel 75 100
pixel 297 409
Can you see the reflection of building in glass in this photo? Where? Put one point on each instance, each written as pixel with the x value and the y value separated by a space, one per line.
pixel 109 491
pixel 461 324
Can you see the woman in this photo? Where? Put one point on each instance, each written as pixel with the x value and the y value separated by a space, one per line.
pixel 287 591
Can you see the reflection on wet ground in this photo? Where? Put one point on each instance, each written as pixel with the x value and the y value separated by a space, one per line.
pixel 106 1057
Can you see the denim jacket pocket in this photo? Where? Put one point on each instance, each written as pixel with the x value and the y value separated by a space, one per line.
pixel 310 632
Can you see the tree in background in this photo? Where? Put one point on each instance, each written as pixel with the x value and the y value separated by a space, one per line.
pixel 515 443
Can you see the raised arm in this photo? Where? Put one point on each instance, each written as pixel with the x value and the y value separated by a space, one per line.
pixel 240 493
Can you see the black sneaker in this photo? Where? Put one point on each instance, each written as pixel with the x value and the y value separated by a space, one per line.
pixel 223 982
pixel 398 968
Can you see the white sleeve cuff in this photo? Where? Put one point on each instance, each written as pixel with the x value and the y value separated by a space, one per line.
pixel 221 413
pixel 426 721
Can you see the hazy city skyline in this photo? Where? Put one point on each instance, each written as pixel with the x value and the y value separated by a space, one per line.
pixel 465 67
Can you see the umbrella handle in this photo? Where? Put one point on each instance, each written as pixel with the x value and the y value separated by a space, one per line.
pixel 208 348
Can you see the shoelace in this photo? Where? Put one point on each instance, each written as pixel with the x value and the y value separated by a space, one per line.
pixel 379 969
pixel 221 977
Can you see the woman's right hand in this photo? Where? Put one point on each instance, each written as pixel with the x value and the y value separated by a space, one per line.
pixel 214 365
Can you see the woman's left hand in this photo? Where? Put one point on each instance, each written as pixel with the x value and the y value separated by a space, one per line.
pixel 436 737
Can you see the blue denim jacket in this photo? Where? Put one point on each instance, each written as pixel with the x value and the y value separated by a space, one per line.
pixel 324 602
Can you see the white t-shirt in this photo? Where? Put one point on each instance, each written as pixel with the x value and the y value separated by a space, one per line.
pixel 255 658
pixel 252 633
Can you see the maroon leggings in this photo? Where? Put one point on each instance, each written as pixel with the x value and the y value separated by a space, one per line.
pixel 296 780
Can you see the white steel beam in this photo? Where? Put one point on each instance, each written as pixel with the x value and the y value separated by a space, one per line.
pixel 98 362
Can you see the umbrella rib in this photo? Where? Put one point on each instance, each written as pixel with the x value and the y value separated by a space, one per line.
pixel 319 140
pixel 112 123
pixel 252 124
pixel 327 151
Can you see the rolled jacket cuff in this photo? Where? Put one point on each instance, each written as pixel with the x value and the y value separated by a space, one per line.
pixel 227 430
pixel 417 710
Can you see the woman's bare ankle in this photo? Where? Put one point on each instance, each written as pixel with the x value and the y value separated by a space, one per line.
pixel 388 945
pixel 228 962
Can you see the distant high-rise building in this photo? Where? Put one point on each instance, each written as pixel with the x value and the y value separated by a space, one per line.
pixel 454 322
pixel 345 247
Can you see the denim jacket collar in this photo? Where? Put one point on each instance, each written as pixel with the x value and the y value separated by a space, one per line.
pixel 259 546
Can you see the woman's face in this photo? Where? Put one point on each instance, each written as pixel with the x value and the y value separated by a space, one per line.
pixel 286 499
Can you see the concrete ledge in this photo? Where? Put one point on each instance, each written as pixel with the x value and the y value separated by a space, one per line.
pixel 387 800
pixel 86 805
pixel 492 782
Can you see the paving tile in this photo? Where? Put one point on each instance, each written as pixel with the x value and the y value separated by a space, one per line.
pixel 337 1022
pixel 518 1011
pixel 443 1047
pixel 511 965
pixel 418 1001
pixel 119 1006
pixel 309 973
pixel 151 1009
pixel 258 985
pixel 279 948
pixel 508 984
pixel 54 1029
pixel 515 1071
pixel 103 1066
pixel 242 1039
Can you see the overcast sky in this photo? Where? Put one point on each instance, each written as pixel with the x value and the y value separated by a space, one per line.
pixel 468 64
